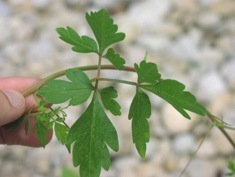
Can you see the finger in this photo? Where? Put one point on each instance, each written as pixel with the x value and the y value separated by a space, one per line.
pixel 19 137
pixel 12 106
pixel 20 84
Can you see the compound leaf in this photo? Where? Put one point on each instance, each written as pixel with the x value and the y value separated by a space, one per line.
pixel 104 29
pixel 107 95
pixel 147 72
pixel 115 59
pixel 83 44
pixel 173 92
pixel 92 133
pixel 77 91
pixel 140 110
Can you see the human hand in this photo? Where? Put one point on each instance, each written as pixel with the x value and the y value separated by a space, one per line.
pixel 12 106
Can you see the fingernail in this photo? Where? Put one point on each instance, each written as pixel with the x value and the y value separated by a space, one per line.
pixel 16 99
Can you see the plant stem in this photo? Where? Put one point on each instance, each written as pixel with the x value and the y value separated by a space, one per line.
pixel 39 84
pixel 98 72
pixel 120 81
pixel 213 119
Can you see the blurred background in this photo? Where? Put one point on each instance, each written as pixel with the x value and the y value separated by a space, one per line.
pixel 192 41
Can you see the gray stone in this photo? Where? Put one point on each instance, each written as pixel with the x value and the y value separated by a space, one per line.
pixel 187 46
pixel 202 168
pixel 209 20
pixel 227 71
pixel 42 4
pixel 148 13
pixel 220 142
pixel 5 10
pixel 174 121
pixel 210 86
pixel 184 143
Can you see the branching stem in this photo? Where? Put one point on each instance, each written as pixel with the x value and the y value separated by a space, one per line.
pixel 39 84
pixel 98 67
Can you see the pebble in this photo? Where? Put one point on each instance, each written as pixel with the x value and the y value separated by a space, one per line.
pixel 148 13
pixel 184 143
pixel 210 86
pixel 221 143
pixel 174 121
pixel 187 47
pixel 227 71
pixel 4 9
pixel 42 4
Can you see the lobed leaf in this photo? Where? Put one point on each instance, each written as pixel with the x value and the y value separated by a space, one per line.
pixel 77 91
pixel 41 131
pixel 83 44
pixel 115 59
pixel 61 132
pixel 91 134
pixel 173 92
pixel 140 110
pixel 147 72
pixel 107 95
pixel 104 29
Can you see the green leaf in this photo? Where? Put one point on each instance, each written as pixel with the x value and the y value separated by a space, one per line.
pixel 231 167
pixel 59 91
pixel 107 95
pixel 83 44
pixel 104 29
pixel 41 131
pixel 140 110
pixel 115 59
pixel 61 132
pixel 173 92
pixel 92 133
pixel 147 72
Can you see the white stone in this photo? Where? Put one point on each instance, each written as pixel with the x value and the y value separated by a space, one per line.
pixel 210 86
pixel 174 121
pixel 4 9
pixel 187 46
pixel 202 168
pixel 42 4
pixel 209 20
pixel 220 142
pixel 208 2
pixel 227 71
pixel 148 13
pixel 104 3
pixel 184 143
pixel 207 149
pixel 152 42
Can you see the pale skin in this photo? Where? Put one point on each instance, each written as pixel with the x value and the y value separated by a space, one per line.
pixel 12 106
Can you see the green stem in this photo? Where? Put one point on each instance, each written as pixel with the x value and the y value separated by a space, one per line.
pixel 119 81
pixel 98 72
pixel 39 84
pixel 213 119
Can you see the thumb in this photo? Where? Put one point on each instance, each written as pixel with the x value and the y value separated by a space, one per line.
pixel 12 106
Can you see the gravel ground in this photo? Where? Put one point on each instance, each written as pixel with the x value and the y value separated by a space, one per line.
pixel 192 41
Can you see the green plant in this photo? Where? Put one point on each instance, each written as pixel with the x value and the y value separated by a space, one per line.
pixel 231 167
pixel 93 133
